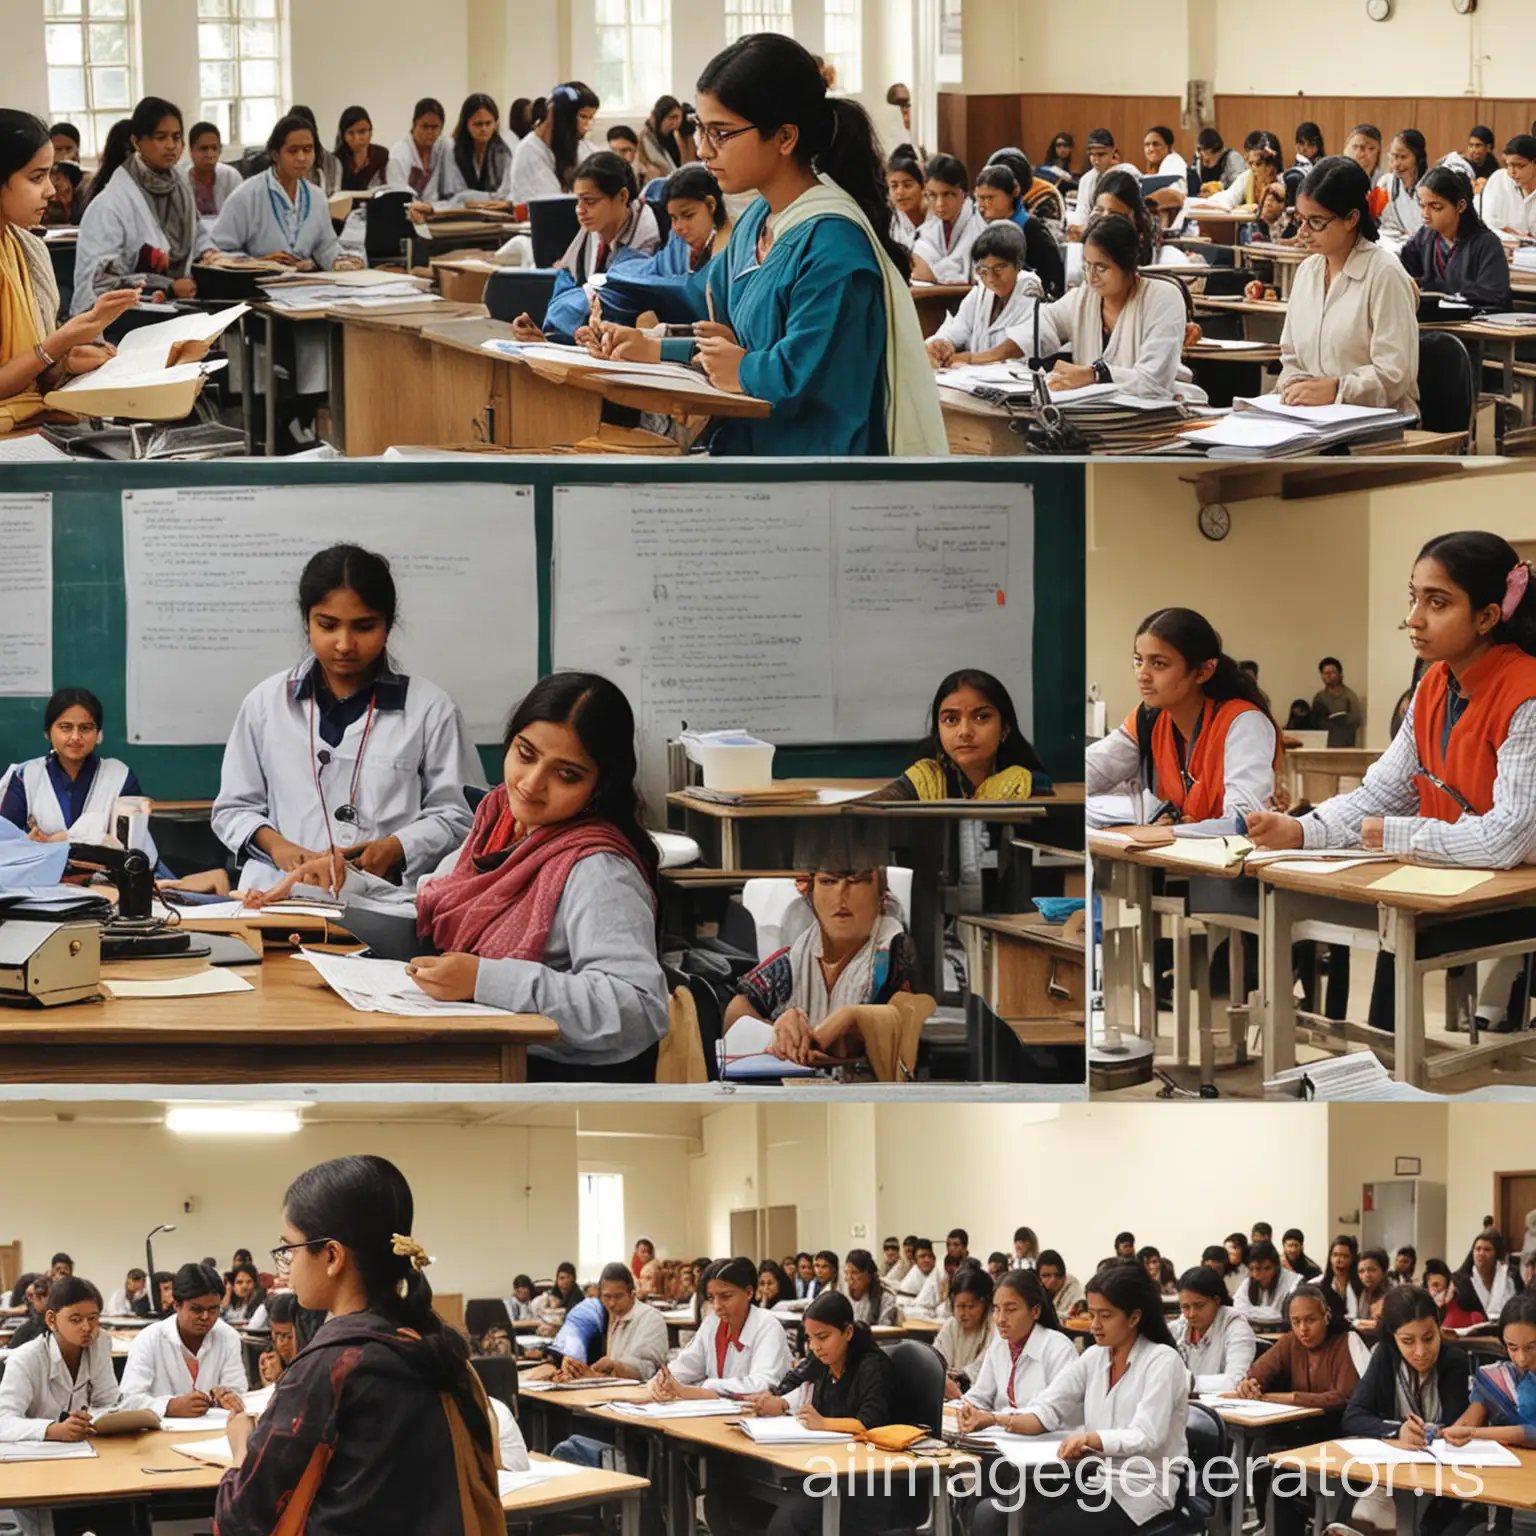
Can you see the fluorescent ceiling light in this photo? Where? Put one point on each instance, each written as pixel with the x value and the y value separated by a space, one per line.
pixel 210 1120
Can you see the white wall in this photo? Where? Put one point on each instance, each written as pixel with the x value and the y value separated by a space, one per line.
pixel 1364 1142
pixel 23 63
pixel 1146 50
pixel 1482 1139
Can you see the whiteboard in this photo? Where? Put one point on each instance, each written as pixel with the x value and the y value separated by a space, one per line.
pixel 26 595
pixel 808 613
pixel 212 574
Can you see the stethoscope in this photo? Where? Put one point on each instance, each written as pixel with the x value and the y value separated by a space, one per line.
pixel 347 813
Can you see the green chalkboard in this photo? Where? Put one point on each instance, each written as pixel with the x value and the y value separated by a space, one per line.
pixel 89 615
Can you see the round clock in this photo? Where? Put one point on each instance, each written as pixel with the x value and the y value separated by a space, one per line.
pixel 1463 7
pixel 1379 10
pixel 1215 521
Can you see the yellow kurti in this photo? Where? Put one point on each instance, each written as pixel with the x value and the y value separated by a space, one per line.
pixel 18 329
pixel 927 778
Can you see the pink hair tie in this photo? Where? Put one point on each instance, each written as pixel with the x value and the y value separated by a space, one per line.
pixel 1514 588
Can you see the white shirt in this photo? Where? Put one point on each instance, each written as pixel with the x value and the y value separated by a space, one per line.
pixel 1493 1297
pixel 979 324
pixel 1222 1357
pixel 157 1365
pixel 1504 205
pixel 1271 1303
pixel 37 1389
pixel 120 1303
pixel 756 1362
pixel 1088 190
pixel 1045 1356
pixel 950 255
pixel 638 1338
pixel 514 1449
pixel 1402 216
pixel 903 230
pixel 1145 1416
pixel 912 1280
pixel 897 1270
pixel 405 158
pixel 928 1297
pixel 1173 164
pixel 533 169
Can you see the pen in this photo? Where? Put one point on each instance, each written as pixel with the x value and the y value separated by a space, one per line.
pixel 709 300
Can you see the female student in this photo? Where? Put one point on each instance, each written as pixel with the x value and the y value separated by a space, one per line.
pixel 478 168
pixel 550 1307
pixel 1343 1276
pixel 874 1302
pixel 966 1334
pixel 1407 161
pixel 1236 1243
pixel 1028 1352
pixel 190 1361
pixel 1363 146
pixel 1120 326
pixel 247 1299
pixel 1058 159
pixel 34 1323
pixel 379 1421
pixel 1437 1281
pixel 697 216
pixel 1122 1406
pixel 364 165
pixel 140 228
pixel 773 1286
pixel 1266 168
pixel 978 331
pixel 1374 1281
pixel 1309 145
pixel 1164 160
pixel 1414 1383
pixel 1487 1270
pixel 1461 1306
pixel 1264 1294
pixel 545 162
pixel 418 161
pixel 1454 251
pixel 210 179
pixel 343 751
pixel 998 199
pixel 943 250
pixel 1201 749
pixel 1293 1250
pixel 738 1349
pixel 1118 191
pixel 1041 199
pixel 1219 165
pixel 1509 200
pixel 1503 1406
pixel 665 145
pixel 63 207
pixel 909 206
pixel 1351 332
pixel 1480 156
pixel 1214 1340
pixel 811 308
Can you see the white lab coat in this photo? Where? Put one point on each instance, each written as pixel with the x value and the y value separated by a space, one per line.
pixel 927 1299
pixel 1222 1357
pixel 260 218
pixel 1493 1297
pixel 1502 204
pixel 756 1362
pixel 226 179
pixel 514 1449
pixel 157 1370
pixel 1402 216
pixel 411 783
pixel 533 169
pixel 903 230
pixel 405 158
pixel 116 225
pixel 978 326
pixel 119 1304
pixel 950 258
pixel 37 1389
pixel 1004 1385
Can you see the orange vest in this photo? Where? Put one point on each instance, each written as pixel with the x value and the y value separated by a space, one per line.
pixel 1206 762
pixel 1496 686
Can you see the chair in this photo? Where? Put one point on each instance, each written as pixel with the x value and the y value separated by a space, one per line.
pixel 498 1375
pixel 515 291
pixel 917 1388
pixel 484 1314
pixel 1208 1443
pixel 1447 387
pixel 552 227
pixel 387 224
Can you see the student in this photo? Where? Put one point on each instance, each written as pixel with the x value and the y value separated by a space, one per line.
pixel 1058 160
pixel 247 1299
pixel 363 166
pixel 293 785
pixel 1125 1248
pixel 1508 202
pixel 666 144
pixel 696 214
pixel 1120 326
pixel 125 1301
pixel 519 1304
pixel 1363 146
pixel 545 162
pixel 63 207
pixel 999 200
pixel 874 1301
pixel 1503 1406
pixel 625 143
pixel 1219 165
pixel 1026 1248
pixel 1102 157
pixel 1263 1296
pixel 920 1293
pixel 909 207
pixel 967 1333
pixel 210 179
pixel 140 228
pixel 1404 1262
pixel 1437 1281
pixel 1335 708
pixel 1407 161
pixel 379 1422
pixel 1215 1341
pixel 1120 192
pixel 634 1339
pixel 281 1309
pixel 943 250
pixel 1164 160
pixel 826 284
pixel 65 138
pixel 1480 156
pixel 190 1361
pixel 1236 1246
pixel 1265 168
pixel 1309 145
pixel 1454 252
pixel 738 1348
pixel 1374 1281
pixel 1473 620
pixel 550 1307
pixel 894 1263
pixel 1343 1277
pixel 1293 1251
pixel 1129 1394
pixel 420 159
pixel 1262 1231
pixel 997 1265
pixel 1462 1307
pixel 825 1267
pixel 478 168
pixel 1065 1290
pixel 34 1323
pixel 978 331
pixel 1351 332
pixel 644 1255
pixel 1486 1270
pixel 1026 1352
pixel 1042 199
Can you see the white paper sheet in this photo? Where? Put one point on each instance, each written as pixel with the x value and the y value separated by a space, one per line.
pixel 1379 1454
pixel 790 1431
pixel 1024 1450
pixel 26 596
pixel 539 1472
pixel 1475 1453
pixel 217 1452
pixel 1241 1409
pixel 214 1420
pixel 381 986
pixel 1313 415
pixel 46 1450
pixel 208 983
pixel 689 1408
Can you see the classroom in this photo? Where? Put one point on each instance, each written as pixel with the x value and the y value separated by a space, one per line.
pixel 1265 1319
pixel 536 235
pixel 608 781
pixel 1288 906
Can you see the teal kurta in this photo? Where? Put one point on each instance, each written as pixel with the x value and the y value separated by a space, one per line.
pixel 812 319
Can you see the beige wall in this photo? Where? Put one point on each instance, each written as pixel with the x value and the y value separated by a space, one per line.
pixel 1483 1139
pixel 1364 1140
pixel 1284 587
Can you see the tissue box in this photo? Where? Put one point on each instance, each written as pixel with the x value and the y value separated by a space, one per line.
pixel 731 760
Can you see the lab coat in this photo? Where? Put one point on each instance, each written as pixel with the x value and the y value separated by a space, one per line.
pixel 116 225
pixel 157 1370
pixel 37 1389
pixel 404 158
pixel 1402 216
pixel 260 218
pixel 411 784
pixel 951 258
pixel 1502 204
pixel 226 180
pixel 1222 1357
pixel 903 231
pixel 756 1362
pixel 977 327
pixel 533 169
pixel 95 821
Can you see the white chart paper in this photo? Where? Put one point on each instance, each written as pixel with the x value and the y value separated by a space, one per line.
pixel 26 595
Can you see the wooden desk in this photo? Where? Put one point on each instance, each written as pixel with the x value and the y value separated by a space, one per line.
pixel 120 1470
pixel 977 429
pixel 587 1488
pixel 934 301
pixel 1263 319
pixel 290 1028
pixel 1283 258
pixel 1219 226
pixel 1247 1432
pixel 1015 961
pixel 1318 769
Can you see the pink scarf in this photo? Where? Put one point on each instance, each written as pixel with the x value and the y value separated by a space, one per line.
pixel 506 913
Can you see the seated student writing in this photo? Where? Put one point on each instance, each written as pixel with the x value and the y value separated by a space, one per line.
pixel 978 330
pixel 477 171
pixel 1120 326
pixel 1262 1297
pixel 281 1309
pixel 140 227
pixel 1215 1341
pixel 1351 330
pixel 697 216
pixel 966 1334
pixel 420 159
pixel 998 199
pixel 190 1361
pixel 909 207
pixel 545 161
pixel 738 1349
pixel 845 1384
pixel 874 1301
pixel 210 179
pixel 1451 789
pixel 634 1336
pixel 1407 162
pixel 1508 203
pixel 1201 749
pixel 1026 1352
pixel 363 166
pixel 942 253
pixel 344 752
pixel 1503 1406
pixel 1123 1409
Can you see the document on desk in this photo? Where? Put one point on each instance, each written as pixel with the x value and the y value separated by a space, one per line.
pixel 46 1450
pixel 30 448
pixel 26 595
pixel 211 1422
pixel 1426 880
pixel 206 983
pixel 787 1430
pixel 1022 1450
pixel 216 1452
pixel 585 1384
pixel 1216 853
pixel 1241 1408
pixel 381 986
pixel 1313 866
pixel 1313 415
pixel 1475 1453
pixel 537 1473
pixel 688 1408
pixel 744 1053
pixel 1378 1453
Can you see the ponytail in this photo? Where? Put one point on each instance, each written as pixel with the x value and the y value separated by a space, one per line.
pixel 1492 574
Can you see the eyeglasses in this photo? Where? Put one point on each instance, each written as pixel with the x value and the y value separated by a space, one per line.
pixel 1318 222
pixel 212 1311
pixel 993 268
pixel 282 1255
pixel 717 137
pixel 1097 268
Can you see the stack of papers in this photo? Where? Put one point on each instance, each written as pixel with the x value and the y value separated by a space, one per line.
pixel 1021 1450
pixel 214 1420
pixel 538 1472
pixel 381 986
pixel 790 1431
pixel 1512 322
pixel 1246 1410
pixel 215 1452
pixel 1263 427
pixel 689 1408
pixel 589 1384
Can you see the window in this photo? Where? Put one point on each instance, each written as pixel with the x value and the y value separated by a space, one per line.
pixel 89 48
pixel 845 43
pixel 632 53
pixel 600 1215
pixel 746 16
pixel 951 42
pixel 240 65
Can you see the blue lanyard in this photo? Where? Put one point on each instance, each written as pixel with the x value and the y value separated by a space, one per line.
pixel 286 211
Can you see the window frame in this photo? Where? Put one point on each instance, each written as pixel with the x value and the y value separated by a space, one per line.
pixel 744 17
pixel 228 112
pixel 94 121
pixel 607 1244
pixel 634 97
pixel 849 66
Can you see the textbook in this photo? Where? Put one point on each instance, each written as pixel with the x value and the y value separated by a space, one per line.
pixel 790 1431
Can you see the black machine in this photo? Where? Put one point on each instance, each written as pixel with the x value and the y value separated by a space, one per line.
pixel 134 932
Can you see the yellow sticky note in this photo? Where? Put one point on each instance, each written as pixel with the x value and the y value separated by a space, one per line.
pixel 1417 880
pixel 208 983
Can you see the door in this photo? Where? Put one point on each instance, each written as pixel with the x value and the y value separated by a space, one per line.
pixel 744 1233
pixel 1514 1202
pixel 783 1231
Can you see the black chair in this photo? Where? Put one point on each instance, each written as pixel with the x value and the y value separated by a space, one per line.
pixel 1226 283
pixel 1447 386
pixel 1208 1443
pixel 552 226
pixel 484 1314
pixel 706 1004
pixel 387 224
pixel 515 291
pixel 498 1375
pixel 917 1390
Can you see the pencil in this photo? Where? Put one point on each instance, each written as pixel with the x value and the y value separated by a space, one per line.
pixel 709 299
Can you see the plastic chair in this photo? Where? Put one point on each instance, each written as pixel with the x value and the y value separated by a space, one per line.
pixel 1208 1444
pixel 515 291
pixel 1447 388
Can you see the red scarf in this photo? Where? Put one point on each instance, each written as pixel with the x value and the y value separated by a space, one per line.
pixel 506 913
pixel 723 1342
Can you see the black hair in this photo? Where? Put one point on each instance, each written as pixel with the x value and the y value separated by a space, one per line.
pixel 200 129
pixel 1447 182
pixel 1309 133
pixel 738 1272
pixel 1330 661
pixel 520 117
pixel 293 122
pixel 1164 133
pixel 1343 188
pixel 1240 1238
pixel 696 182
pixel 921 1243
pixel 69 131
pixel 518 1280
pixel 1410 1250
pixel 1026 1283
pixel 1129 1288
pixel 603 720
pixel 836 1311
pixel 61 1258
pixel 1366 130
pixel 428 106
pixel 1015 160
pixel 1125 187
pixel 349 120
pixel 1260 1253
pixel 1523 144
pixel 69 698
pixel 258 1293
pixel 1209 140
pixel 904 161
pixel 137 1274
pixel 771 81
pixel 1050 1256
pixel 1100 138
pixel 563 109
pixel 1414 141
pixel 1481 565
pixel 1379 1257
pixel 115 149
pixel 1404 1304
pixel 1264 1230
pixel 464 145
pixel 665 105
pixel 950 169
pixel 974 1281
pixel 70 1291
pixel 1026 1235
pixel 609 173
pixel 830 1257
pixel 1490 1235
pixel 1330 1301
pixel 362 1203
pixel 1215 1253
pixel 1520 1308
pixel 1195 639
pixel 1124 1238
pixel 1295 1234
pixel 1014 750
pixel 1056 161
pixel 617 1274
pixel 281 1307
pixel 1482 133
pixel 786 1286
pixel 1204 1281
pixel 625 132
pixel 1000 177
pixel 149 114
pixel 1118 238
pixel 160 1277
pixel 962 1234
pixel 1437 1267
pixel 194 1280
pixel 354 569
